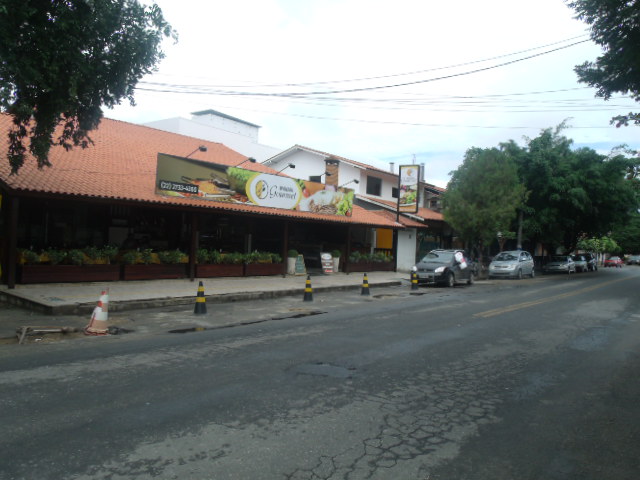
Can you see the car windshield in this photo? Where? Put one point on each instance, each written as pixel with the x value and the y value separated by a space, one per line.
pixel 614 258
pixel 438 257
pixel 578 258
pixel 558 259
pixel 505 256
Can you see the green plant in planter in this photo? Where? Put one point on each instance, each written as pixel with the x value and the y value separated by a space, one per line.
pixel 146 256
pixel 292 253
pixel 170 256
pixel 380 257
pixel 233 258
pixel 203 256
pixel 94 253
pixel 56 256
pixel 130 257
pixel 110 252
pixel 336 253
pixel 75 257
pixel 30 257
pixel 276 258
pixel 253 257
pixel 356 257
pixel 215 257
pixel 263 257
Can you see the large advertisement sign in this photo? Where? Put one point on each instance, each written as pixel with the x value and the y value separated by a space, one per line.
pixel 184 177
pixel 408 194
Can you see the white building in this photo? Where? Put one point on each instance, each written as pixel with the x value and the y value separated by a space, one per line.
pixel 214 126
pixel 375 189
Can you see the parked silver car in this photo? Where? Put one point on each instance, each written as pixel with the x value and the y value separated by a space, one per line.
pixel 560 264
pixel 581 263
pixel 512 264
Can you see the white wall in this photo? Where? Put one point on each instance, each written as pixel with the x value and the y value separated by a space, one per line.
pixel 406 249
pixel 211 120
pixel 240 143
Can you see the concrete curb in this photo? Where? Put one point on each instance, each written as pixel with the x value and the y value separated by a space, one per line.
pixel 138 304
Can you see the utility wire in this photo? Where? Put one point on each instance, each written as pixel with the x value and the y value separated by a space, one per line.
pixel 350 90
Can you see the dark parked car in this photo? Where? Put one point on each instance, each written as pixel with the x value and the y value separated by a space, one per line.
pixel 445 267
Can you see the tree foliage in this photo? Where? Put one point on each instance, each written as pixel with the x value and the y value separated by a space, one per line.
pixel 62 60
pixel 573 193
pixel 615 25
pixel 483 196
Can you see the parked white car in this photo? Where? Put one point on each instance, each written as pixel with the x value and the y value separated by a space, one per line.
pixel 512 264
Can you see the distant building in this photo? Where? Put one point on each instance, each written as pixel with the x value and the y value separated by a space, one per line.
pixel 237 134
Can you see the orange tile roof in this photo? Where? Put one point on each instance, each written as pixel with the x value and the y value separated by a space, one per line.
pixel 423 213
pixel 121 166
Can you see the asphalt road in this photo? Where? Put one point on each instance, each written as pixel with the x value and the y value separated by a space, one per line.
pixel 531 379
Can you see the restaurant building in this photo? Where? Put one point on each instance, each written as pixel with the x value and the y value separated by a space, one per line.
pixel 138 192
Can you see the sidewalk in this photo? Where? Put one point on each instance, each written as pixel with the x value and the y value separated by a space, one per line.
pixel 53 300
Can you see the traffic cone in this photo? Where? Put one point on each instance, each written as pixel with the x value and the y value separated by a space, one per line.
pixel 201 306
pixel 414 281
pixel 365 285
pixel 98 323
pixel 308 292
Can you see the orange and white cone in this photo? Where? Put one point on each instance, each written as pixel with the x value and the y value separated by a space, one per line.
pixel 98 323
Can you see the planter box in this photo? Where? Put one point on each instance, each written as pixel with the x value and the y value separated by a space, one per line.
pixel 68 273
pixel 368 267
pixel 154 271
pixel 219 270
pixel 254 269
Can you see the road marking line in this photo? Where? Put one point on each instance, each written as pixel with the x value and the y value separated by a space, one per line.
pixel 519 306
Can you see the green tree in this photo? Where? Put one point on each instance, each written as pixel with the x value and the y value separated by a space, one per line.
pixel 573 193
pixel 62 60
pixel 483 196
pixel 627 235
pixel 615 25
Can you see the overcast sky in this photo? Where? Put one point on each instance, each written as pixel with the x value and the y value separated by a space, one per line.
pixel 381 81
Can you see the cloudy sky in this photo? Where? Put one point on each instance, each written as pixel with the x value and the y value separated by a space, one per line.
pixel 380 81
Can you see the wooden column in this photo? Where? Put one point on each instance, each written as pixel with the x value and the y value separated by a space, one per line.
pixel 193 249
pixel 12 241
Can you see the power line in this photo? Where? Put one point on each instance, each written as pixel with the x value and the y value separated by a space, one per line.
pixel 353 80
pixel 195 91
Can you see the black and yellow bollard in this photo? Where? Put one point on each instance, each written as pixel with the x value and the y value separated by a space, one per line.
pixel 414 281
pixel 365 285
pixel 201 306
pixel 308 292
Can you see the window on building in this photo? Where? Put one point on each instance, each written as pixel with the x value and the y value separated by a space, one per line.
pixel 394 192
pixel 433 203
pixel 374 186
pixel 315 178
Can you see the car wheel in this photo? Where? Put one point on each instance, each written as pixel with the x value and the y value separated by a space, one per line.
pixel 519 274
pixel 450 281
pixel 471 279
pixel 533 272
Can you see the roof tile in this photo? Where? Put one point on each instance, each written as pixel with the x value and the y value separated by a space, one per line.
pixel 121 165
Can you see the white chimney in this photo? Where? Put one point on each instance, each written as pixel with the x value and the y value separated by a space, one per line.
pixel 422 171
pixel 391 166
